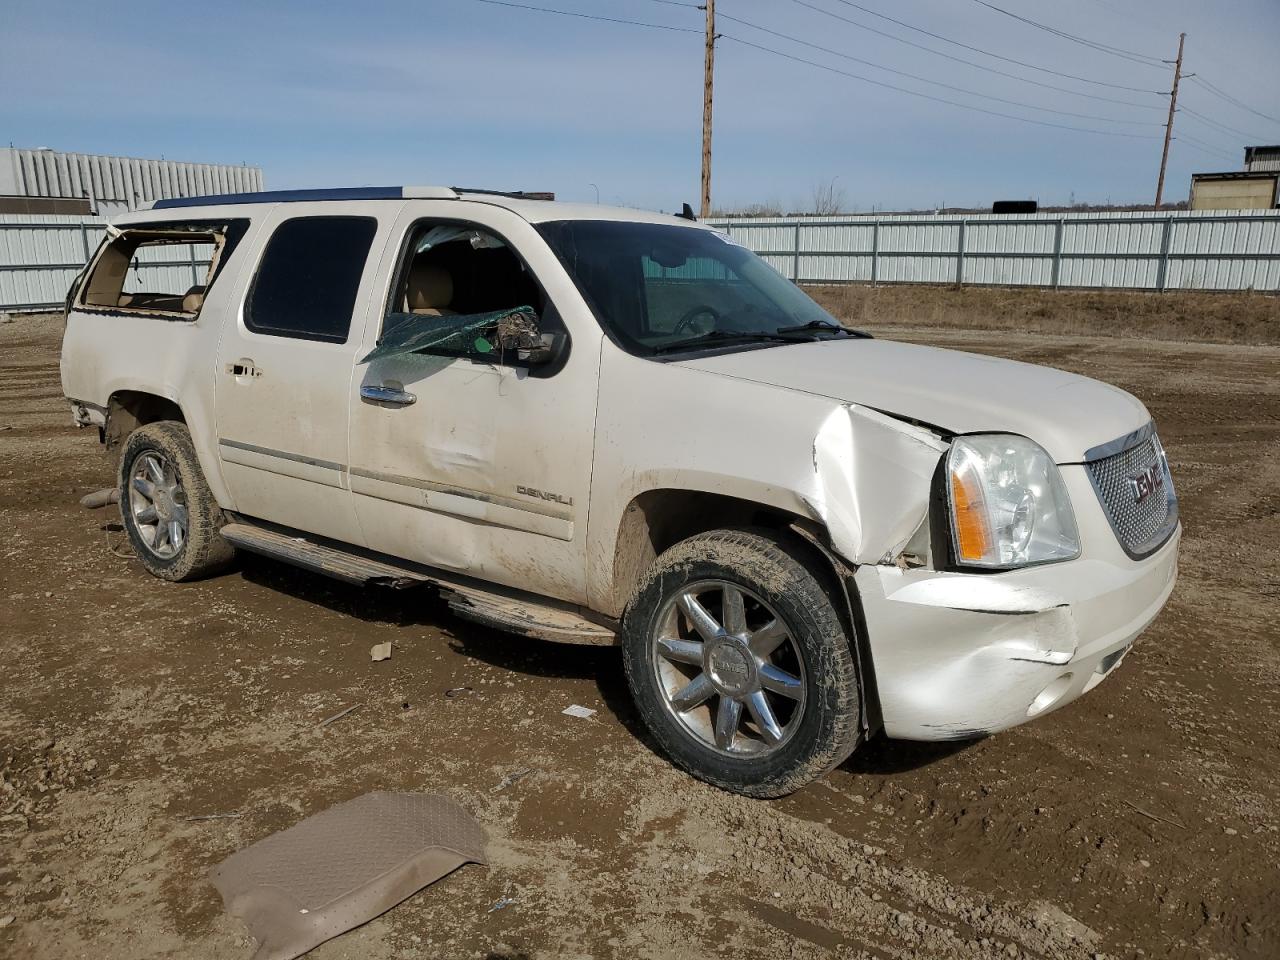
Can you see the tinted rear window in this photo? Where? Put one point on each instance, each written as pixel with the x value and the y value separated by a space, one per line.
pixel 309 276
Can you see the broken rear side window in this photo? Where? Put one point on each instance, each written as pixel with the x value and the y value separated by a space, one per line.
pixel 165 269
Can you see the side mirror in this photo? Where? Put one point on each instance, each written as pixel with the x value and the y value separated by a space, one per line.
pixel 547 349
pixel 523 338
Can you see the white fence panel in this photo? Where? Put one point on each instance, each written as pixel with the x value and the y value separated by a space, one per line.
pixel 1179 250
pixel 1175 250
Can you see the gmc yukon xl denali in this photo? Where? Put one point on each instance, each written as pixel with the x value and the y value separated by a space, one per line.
pixel 600 426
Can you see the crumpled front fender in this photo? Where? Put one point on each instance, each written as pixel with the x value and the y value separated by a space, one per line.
pixel 871 483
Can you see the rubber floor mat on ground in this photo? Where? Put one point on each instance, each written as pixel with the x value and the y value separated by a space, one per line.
pixel 343 867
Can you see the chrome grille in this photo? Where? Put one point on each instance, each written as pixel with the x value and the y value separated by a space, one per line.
pixel 1141 522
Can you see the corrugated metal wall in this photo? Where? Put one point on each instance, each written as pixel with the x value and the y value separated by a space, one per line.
pixel 117 183
pixel 1177 250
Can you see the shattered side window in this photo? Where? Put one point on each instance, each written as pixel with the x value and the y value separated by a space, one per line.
pixel 480 335
pixel 461 291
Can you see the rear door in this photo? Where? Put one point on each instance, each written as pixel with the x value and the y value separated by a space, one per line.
pixel 285 362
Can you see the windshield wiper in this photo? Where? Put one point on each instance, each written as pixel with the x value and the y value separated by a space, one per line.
pixel 723 336
pixel 822 325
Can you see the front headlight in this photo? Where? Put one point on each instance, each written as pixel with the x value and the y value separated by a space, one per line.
pixel 1008 504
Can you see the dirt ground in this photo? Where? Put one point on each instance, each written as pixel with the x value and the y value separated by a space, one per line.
pixel 1141 821
pixel 1243 318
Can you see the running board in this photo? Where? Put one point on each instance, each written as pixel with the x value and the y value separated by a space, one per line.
pixel 487 604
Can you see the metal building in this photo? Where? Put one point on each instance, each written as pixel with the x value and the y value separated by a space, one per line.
pixel 1235 190
pixel 1261 159
pixel 1256 187
pixel 44 181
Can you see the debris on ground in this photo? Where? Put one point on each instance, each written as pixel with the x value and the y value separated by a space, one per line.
pixel 210 816
pixel 453 693
pixel 100 498
pixel 575 710
pixel 344 866
pixel 380 651
pixel 512 777
pixel 343 712
pixel 501 904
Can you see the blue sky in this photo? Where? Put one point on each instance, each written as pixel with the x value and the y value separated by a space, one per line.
pixel 469 93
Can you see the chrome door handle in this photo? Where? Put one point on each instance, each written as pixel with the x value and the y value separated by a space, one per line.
pixel 380 394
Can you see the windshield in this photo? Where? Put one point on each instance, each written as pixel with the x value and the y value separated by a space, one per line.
pixel 661 288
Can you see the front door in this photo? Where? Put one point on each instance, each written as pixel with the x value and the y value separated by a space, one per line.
pixel 285 366
pixel 461 458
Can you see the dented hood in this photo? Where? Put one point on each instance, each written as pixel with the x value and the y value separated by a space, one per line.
pixel 960 392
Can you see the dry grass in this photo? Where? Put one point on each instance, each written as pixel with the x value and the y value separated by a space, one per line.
pixel 1243 318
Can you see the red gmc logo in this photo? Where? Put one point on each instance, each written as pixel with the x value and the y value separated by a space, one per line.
pixel 1146 483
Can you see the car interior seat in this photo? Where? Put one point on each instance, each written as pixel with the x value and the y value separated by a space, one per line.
pixel 430 289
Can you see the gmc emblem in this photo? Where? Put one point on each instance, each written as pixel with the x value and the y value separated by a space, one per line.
pixel 1146 483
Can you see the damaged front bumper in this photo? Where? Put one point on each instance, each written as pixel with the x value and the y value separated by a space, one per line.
pixel 959 655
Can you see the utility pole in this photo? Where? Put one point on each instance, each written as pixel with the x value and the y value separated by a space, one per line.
pixel 1168 129
pixel 708 78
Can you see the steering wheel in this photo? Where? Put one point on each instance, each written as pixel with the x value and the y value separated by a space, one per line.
pixel 686 321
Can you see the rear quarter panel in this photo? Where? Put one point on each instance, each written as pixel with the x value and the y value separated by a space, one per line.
pixel 105 352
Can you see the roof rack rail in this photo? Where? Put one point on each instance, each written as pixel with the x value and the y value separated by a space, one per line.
pixel 301 196
pixel 512 194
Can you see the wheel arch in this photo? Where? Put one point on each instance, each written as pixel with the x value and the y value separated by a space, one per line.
pixel 129 407
pixel 657 519
pixel 127 410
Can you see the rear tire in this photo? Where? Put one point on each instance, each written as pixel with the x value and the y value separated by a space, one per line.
pixel 740 664
pixel 167 509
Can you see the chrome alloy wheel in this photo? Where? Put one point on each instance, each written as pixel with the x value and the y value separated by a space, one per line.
pixel 158 505
pixel 729 669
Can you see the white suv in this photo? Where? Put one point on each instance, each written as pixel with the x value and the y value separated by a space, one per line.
pixel 601 426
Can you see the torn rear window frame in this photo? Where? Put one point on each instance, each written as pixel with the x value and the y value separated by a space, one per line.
pixel 231 231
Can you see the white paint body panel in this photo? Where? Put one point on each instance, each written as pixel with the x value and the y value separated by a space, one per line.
pixel 295 408
pixel 815 430
pixel 961 392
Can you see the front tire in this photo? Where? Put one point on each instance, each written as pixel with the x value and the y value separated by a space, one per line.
pixel 167 509
pixel 740 664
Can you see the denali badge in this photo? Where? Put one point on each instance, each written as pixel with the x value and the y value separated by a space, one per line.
pixel 1146 483
pixel 543 495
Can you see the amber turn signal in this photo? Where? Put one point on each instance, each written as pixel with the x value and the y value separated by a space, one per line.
pixel 969 509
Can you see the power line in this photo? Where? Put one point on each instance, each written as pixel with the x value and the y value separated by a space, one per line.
pixel 1204 145
pixel 1232 100
pixel 975 64
pixel 825 67
pixel 1141 58
pixel 965 46
pixel 927 96
pixel 1221 126
pixel 589 16
pixel 938 83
